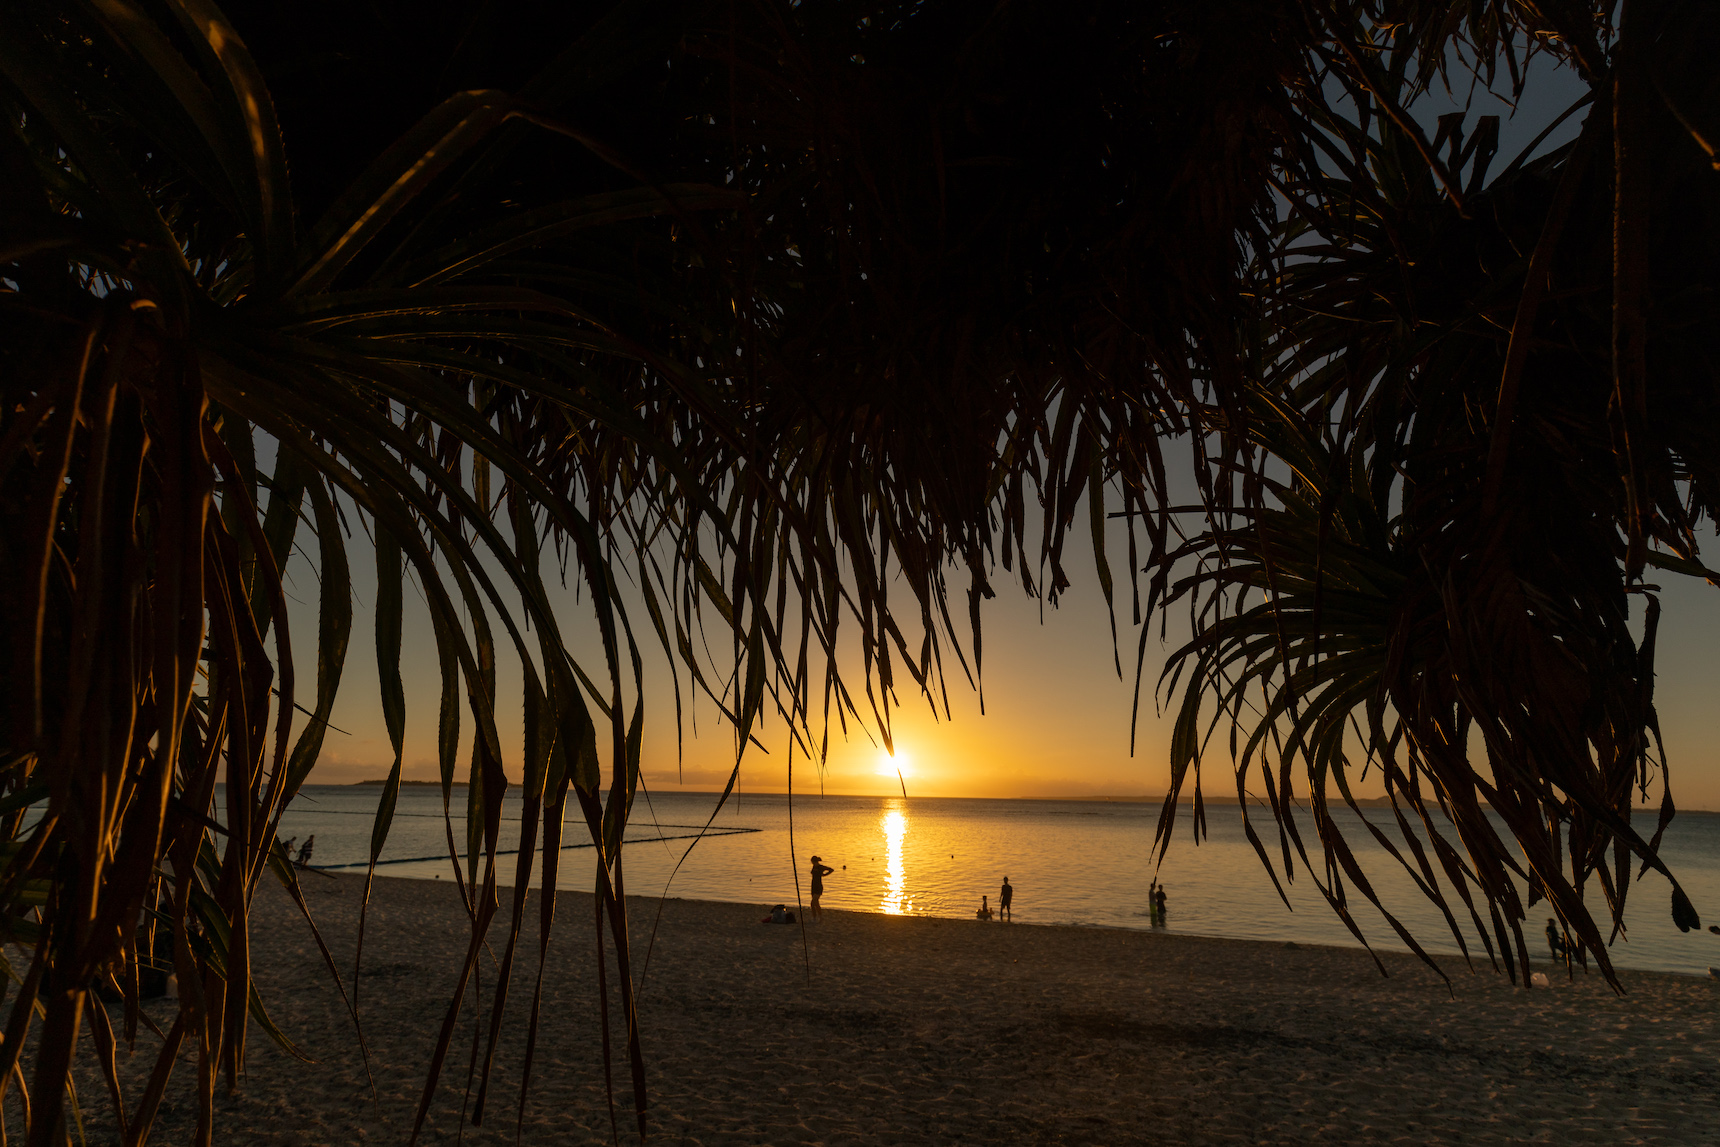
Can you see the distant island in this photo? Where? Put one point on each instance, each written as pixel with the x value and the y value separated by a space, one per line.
pixel 1217 800
pixel 1224 800
pixel 403 784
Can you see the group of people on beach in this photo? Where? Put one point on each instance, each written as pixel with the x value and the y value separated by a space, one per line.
pixel 1156 904
pixel 781 915
pixel 1005 897
pixel 303 859
pixel 1156 901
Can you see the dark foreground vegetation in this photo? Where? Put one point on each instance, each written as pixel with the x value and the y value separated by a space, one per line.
pixel 820 324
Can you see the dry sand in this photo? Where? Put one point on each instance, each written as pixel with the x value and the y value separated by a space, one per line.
pixel 947 1031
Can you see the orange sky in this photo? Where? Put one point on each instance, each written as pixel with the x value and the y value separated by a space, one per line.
pixel 1057 721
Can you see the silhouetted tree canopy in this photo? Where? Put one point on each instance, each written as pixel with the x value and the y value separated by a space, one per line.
pixel 821 322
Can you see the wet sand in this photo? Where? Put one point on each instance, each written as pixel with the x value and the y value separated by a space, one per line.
pixel 884 1030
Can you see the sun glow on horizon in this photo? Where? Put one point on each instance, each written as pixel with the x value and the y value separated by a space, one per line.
pixel 888 766
pixel 896 900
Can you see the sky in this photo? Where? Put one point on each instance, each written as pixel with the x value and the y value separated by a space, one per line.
pixel 1058 715
pixel 1057 719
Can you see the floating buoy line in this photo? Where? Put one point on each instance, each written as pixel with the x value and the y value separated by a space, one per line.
pixel 731 831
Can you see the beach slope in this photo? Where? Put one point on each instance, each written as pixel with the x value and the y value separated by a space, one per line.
pixel 886 1030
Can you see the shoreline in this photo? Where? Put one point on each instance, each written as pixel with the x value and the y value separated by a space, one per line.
pixel 889 1029
pixel 1451 960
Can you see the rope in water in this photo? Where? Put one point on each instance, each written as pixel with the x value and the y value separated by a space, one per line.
pixel 564 848
pixel 435 816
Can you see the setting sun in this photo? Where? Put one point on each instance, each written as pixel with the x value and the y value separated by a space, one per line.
pixel 889 766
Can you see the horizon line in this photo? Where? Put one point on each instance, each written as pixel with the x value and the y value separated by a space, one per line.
pixel 1224 800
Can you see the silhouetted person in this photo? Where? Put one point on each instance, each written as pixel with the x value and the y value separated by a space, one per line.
pixel 819 871
pixel 287 848
pixel 1004 896
pixel 1159 903
pixel 1555 942
pixel 303 859
pixel 778 915
pixel 984 912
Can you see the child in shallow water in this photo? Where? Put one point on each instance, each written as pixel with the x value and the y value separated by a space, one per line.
pixel 984 912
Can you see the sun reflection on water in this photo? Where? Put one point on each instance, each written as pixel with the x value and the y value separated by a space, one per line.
pixel 895 901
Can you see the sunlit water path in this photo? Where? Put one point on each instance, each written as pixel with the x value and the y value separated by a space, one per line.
pixel 1072 862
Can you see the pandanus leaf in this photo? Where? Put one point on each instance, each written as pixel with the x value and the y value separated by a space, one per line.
pixel 390 601
pixel 334 630
pixel 484 353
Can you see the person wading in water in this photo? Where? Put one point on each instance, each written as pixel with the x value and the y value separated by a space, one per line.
pixel 1004 896
pixel 819 871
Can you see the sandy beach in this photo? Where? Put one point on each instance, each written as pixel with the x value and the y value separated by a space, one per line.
pixel 902 1030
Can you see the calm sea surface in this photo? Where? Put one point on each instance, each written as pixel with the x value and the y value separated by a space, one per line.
pixel 1072 862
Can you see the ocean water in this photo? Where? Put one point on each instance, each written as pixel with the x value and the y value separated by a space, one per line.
pixel 1071 862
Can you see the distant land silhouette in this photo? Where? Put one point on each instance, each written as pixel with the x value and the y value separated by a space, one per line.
pixel 1217 799
pixel 1365 802
pixel 403 784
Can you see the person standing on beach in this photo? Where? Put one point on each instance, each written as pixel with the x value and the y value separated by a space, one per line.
pixel 1556 943
pixel 1003 899
pixel 819 871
